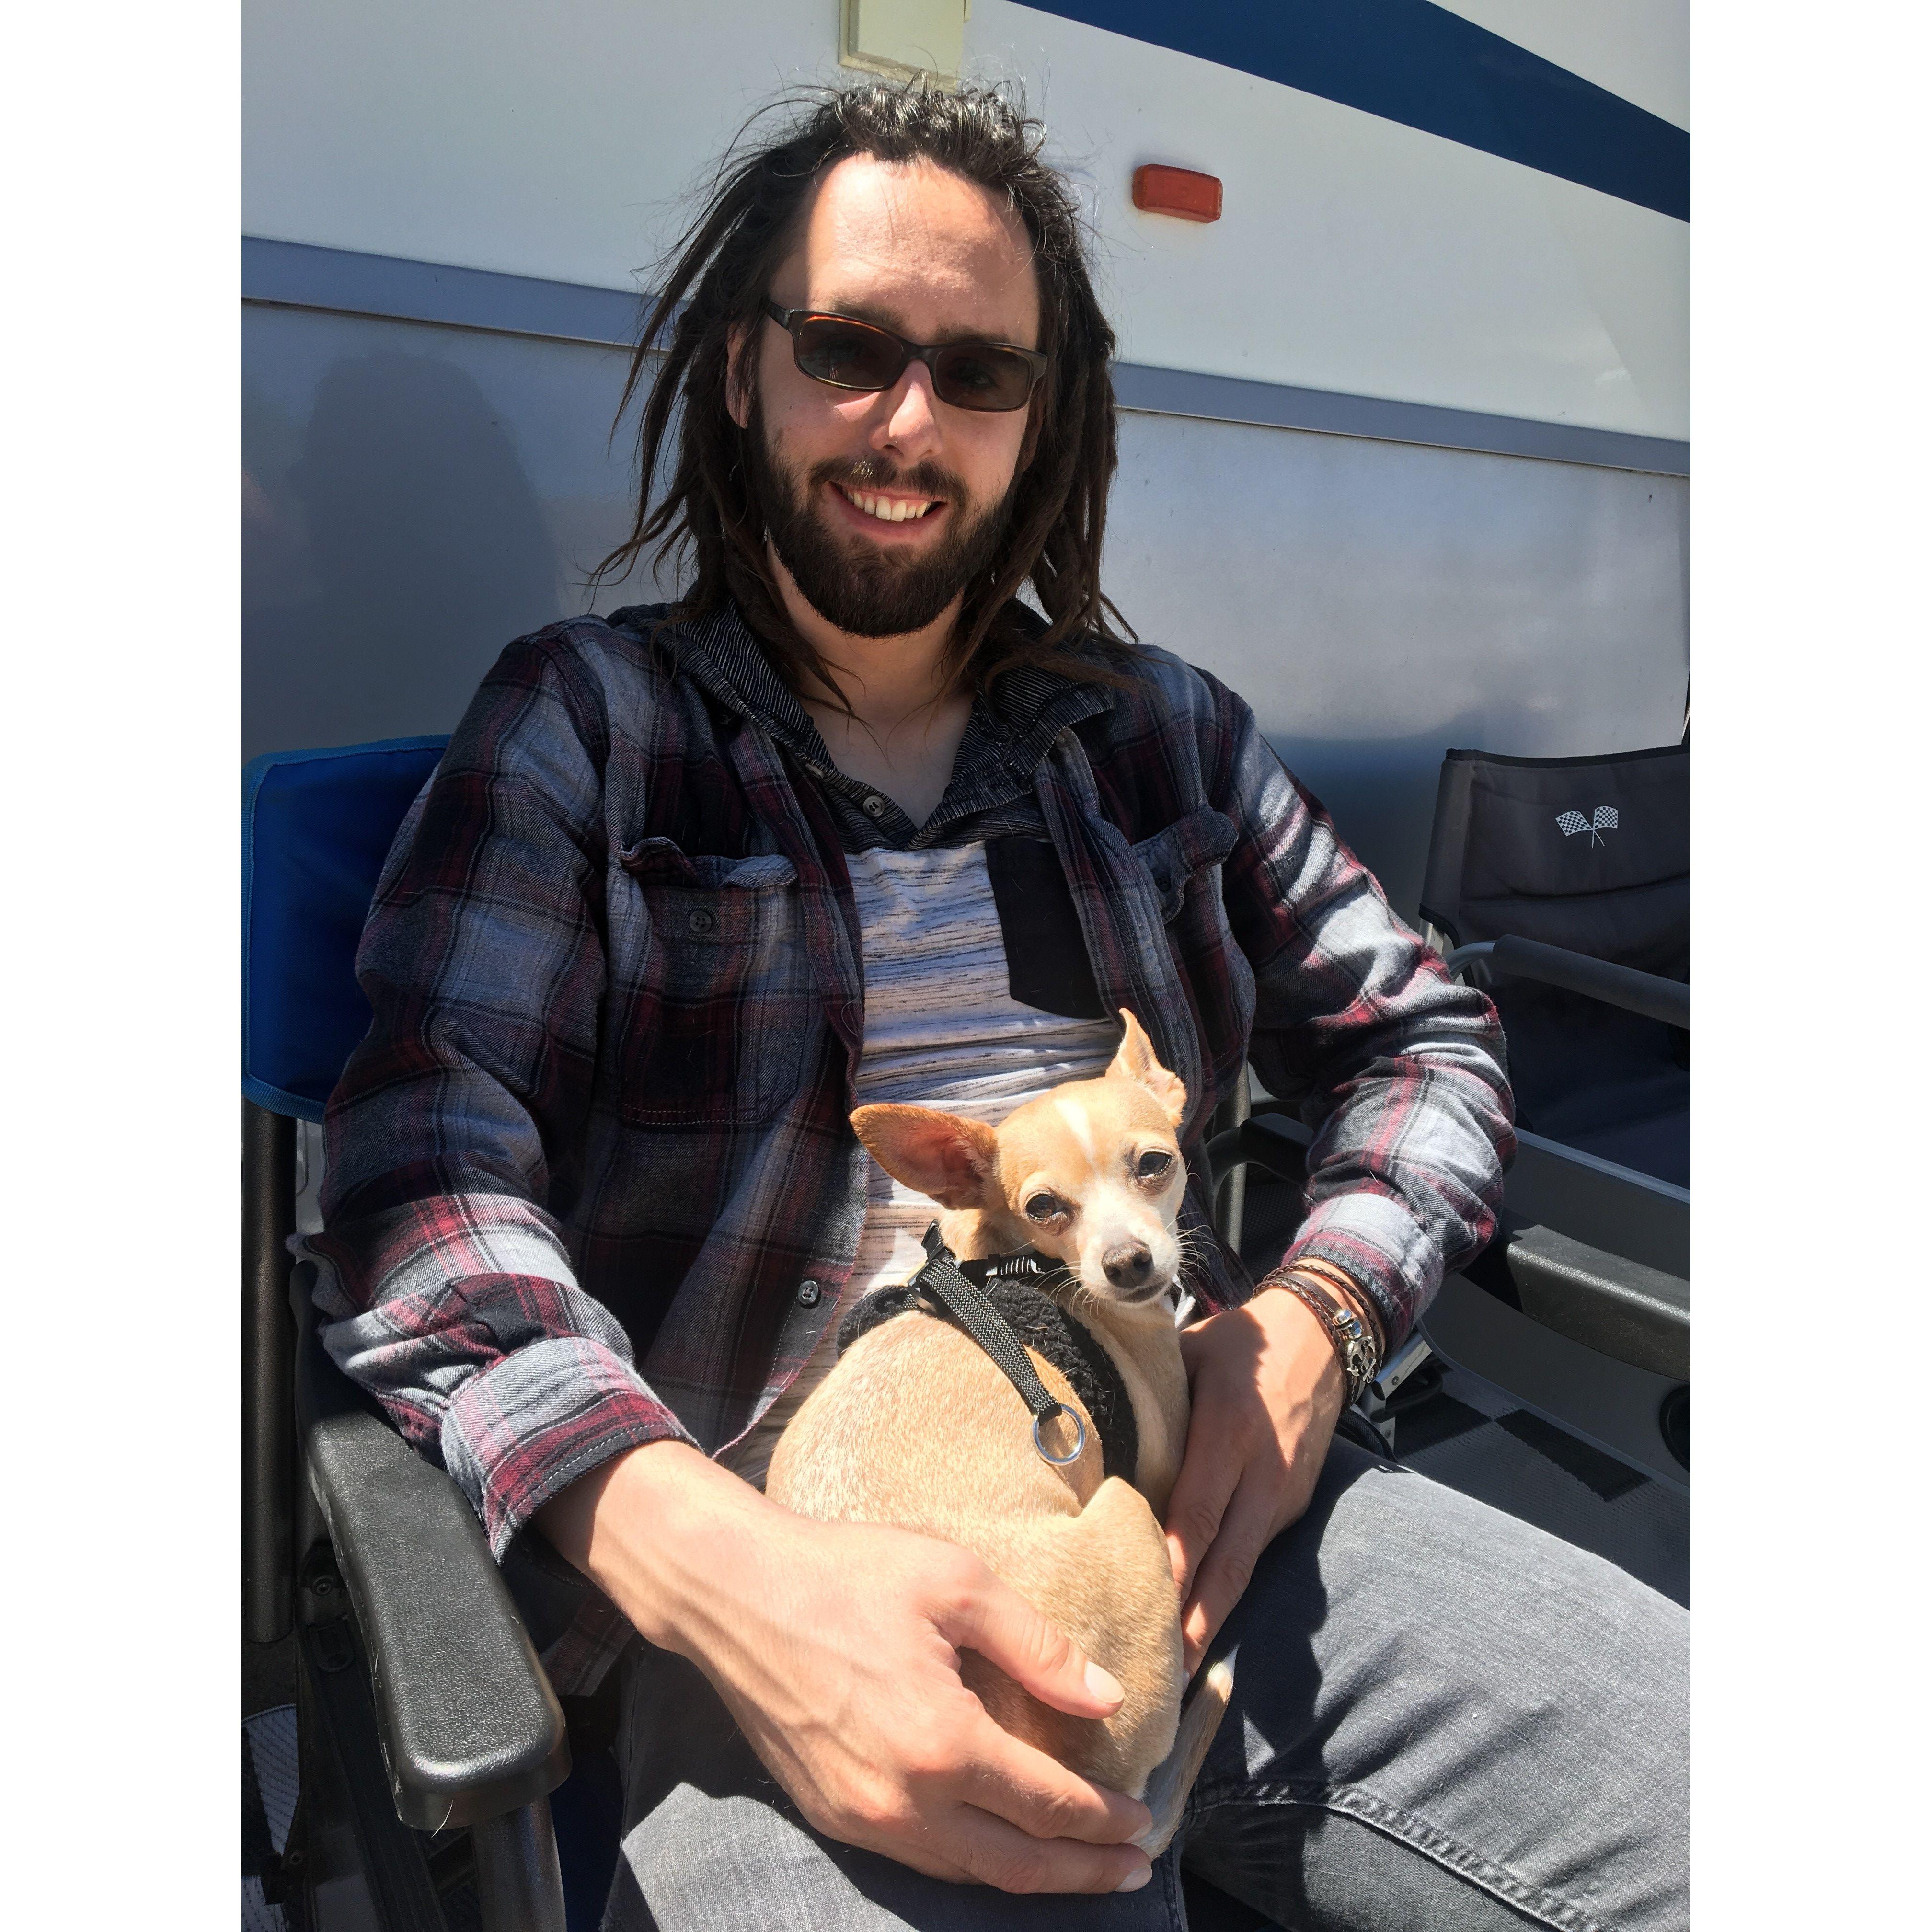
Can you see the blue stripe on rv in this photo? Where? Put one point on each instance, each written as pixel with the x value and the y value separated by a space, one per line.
pixel 1410 62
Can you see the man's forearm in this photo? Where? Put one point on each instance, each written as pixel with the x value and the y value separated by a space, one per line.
pixel 1355 1018
pixel 664 1532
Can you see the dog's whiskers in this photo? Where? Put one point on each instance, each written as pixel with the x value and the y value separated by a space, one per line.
pixel 1193 1244
pixel 1084 1296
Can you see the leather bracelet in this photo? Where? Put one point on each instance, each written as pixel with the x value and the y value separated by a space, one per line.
pixel 1356 1353
pixel 1353 1297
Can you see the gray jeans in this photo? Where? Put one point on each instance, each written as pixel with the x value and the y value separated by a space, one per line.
pixel 1443 1719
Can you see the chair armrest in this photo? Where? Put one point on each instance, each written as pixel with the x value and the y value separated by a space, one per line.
pixel 1619 1307
pixel 1649 993
pixel 470 1725
pixel 1274 1141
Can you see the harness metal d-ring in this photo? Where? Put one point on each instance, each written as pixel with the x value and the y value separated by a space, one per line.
pixel 1079 1436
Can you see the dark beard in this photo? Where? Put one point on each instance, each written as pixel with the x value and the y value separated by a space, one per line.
pixel 870 593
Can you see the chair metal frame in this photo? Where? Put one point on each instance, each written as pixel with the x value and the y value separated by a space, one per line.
pixel 429 1736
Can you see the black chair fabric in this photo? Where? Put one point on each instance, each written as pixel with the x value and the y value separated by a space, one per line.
pixel 1594 854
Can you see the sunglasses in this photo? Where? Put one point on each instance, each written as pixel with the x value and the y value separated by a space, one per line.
pixel 853 355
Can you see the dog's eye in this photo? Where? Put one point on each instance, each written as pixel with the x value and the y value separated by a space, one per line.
pixel 1152 1163
pixel 1043 1208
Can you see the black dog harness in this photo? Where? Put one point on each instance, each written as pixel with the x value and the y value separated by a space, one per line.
pixel 1000 1304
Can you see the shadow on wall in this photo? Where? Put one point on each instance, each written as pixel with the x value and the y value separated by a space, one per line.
pixel 388 560
pixel 1381 792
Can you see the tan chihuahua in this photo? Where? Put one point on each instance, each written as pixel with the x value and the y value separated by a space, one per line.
pixel 916 1425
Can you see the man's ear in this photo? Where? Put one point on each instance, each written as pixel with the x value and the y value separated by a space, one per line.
pixel 738 374
pixel 1135 1061
pixel 954 1161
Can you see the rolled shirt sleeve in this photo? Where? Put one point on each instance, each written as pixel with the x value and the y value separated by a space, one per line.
pixel 1358 1027
pixel 445 1285
pixel 461 1316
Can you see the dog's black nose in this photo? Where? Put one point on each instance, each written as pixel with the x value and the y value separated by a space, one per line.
pixel 1128 1265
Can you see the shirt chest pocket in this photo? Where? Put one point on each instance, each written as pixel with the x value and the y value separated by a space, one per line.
pixel 716 992
pixel 1175 857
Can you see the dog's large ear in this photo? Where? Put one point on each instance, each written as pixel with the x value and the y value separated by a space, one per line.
pixel 953 1160
pixel 1135 1061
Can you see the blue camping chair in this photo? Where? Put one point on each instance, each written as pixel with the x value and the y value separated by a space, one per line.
pixel 430 1738
pixel 435 1758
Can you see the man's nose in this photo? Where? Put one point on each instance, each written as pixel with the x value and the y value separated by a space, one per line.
pixel 912 419
pixel 1129 1265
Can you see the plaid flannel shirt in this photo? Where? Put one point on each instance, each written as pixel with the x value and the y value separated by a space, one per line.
pixel 590 1180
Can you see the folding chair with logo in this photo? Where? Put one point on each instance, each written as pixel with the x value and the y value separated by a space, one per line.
pixel 1562 886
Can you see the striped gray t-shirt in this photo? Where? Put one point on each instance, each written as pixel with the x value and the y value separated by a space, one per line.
pixel 943 1029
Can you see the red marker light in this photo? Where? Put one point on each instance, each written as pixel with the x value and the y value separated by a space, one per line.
pixel 1177 191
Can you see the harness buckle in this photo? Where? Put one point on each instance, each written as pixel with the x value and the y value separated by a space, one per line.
pixel 1079 1436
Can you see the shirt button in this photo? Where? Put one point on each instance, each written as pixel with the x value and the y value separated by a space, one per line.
pixel 874 806
pixel 703 921
pixel 807 1294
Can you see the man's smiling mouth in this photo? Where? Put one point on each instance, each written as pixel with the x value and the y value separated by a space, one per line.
pixel 888 509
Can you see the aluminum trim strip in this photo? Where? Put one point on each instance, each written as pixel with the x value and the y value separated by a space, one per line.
pixel 1184 392
pixel 298 275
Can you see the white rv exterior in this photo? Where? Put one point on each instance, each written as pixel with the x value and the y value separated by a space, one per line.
pixel 1406 434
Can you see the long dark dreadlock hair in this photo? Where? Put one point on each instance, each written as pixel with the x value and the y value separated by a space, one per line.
pixel 722 271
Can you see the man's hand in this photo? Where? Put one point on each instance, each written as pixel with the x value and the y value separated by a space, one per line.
pixel 836 1647
pixel 1267 1391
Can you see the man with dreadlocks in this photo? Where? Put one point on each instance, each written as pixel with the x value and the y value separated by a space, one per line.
pixel 887 805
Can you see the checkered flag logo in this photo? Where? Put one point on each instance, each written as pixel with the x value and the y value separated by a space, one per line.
pixel 1604 819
